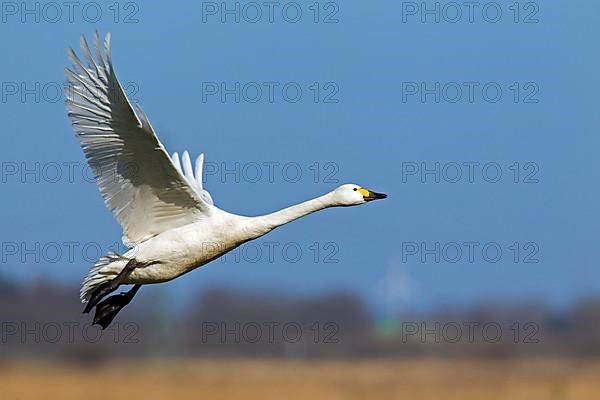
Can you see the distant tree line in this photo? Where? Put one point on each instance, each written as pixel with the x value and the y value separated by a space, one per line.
pixel 45 320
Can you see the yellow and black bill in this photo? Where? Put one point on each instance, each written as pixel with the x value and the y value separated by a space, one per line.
pixel 369 195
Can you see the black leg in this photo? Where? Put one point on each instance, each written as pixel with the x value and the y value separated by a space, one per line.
pixel 109 287
pixel 108 309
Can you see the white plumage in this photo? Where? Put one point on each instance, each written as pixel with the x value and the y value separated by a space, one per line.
pixel 194 177
pixel 135 175
pixel 169 219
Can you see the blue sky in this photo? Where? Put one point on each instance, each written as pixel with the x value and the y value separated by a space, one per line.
pixel 386 92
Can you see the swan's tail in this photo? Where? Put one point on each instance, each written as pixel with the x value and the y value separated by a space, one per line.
pixel 105 269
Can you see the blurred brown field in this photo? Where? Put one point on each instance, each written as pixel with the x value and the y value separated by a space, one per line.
pixel 418 378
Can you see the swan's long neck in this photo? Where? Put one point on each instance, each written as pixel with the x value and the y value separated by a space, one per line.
pixel 266 223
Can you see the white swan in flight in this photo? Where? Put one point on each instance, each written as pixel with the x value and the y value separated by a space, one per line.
pixel 169 220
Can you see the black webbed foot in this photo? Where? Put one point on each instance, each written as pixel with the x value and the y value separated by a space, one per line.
pixel 108 309
pixel 108 287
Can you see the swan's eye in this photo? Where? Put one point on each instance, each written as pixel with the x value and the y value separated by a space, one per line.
pixel 354 189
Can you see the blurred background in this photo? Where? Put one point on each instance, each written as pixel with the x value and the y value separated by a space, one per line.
pixel 477 277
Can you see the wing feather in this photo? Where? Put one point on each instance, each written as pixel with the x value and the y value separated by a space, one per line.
pixel 199 167
pixel 144 189
pixel 193 176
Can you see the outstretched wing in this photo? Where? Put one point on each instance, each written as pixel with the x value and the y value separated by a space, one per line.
pixel 194 177
pixel 138 181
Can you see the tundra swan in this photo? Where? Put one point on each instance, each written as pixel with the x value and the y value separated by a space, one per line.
pixel 169 220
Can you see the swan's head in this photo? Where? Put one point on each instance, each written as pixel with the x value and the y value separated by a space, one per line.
pixel 353 195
